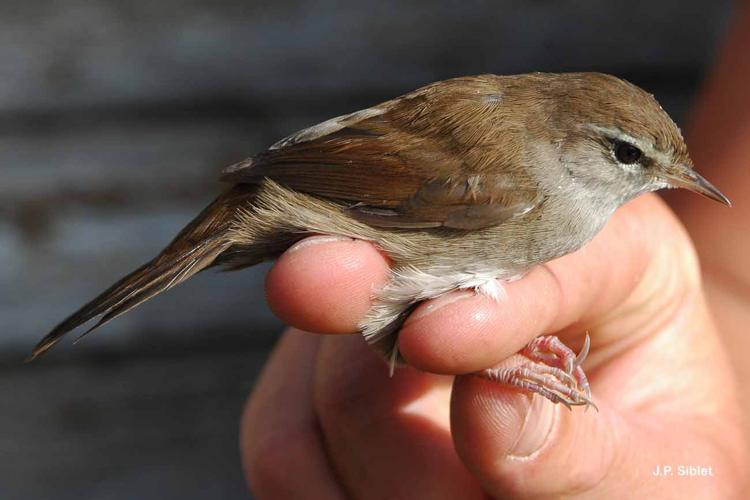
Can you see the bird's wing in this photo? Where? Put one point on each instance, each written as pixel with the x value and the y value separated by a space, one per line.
pixel 414 162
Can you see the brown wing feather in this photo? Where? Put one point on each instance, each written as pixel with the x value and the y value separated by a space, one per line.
pixel 369 168
pixel 415 161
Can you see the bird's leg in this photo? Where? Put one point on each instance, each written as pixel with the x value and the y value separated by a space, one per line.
pixel 553 371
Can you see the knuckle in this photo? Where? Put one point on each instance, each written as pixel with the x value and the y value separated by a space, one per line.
pixel 271 460
pixel 345 402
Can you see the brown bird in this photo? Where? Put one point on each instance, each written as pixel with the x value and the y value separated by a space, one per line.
pixel 464 183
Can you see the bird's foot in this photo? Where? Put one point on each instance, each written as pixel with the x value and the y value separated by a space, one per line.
pixel 553 371
pixel 550 351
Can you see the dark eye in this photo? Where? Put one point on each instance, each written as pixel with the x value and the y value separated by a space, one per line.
pixel 626 153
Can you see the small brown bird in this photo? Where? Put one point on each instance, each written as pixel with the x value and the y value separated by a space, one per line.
pixel 464 183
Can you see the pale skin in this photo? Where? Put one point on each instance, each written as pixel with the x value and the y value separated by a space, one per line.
pixel 326 421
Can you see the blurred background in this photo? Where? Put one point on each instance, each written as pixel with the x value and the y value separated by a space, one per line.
pixel 115 119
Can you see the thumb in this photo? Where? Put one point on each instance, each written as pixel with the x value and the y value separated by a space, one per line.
pixel 520 446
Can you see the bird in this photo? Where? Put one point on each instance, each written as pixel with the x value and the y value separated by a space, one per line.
pixel 466 184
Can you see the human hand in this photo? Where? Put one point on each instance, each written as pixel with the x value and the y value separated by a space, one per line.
pixel 325 421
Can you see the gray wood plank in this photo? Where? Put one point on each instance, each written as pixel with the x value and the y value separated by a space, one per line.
pixel 75 54
pixel 142 427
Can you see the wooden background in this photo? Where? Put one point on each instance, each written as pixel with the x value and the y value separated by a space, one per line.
pixel 115 118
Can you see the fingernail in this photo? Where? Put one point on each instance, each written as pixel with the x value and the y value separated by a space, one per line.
pixel 536 428
pixel 439 303
pixel 316 240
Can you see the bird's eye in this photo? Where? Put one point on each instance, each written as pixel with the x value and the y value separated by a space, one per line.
pixel 626 153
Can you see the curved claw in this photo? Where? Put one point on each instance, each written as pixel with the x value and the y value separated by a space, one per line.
pixel 584 352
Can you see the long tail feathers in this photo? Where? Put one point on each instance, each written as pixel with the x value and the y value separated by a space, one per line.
pixel 196 248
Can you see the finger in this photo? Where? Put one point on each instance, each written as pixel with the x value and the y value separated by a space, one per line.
pixel 282 452
pixel 324 284
pixel 637 264
pixel 387 437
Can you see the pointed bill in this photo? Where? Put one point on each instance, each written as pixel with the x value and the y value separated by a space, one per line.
pixel 687 178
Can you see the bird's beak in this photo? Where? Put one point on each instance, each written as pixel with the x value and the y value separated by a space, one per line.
pixel 684 176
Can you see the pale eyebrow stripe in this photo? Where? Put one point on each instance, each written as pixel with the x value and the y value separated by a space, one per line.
pixel 647 147
pixel 619 134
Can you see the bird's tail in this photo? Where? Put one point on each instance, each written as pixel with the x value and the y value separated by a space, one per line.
pixel 194 249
